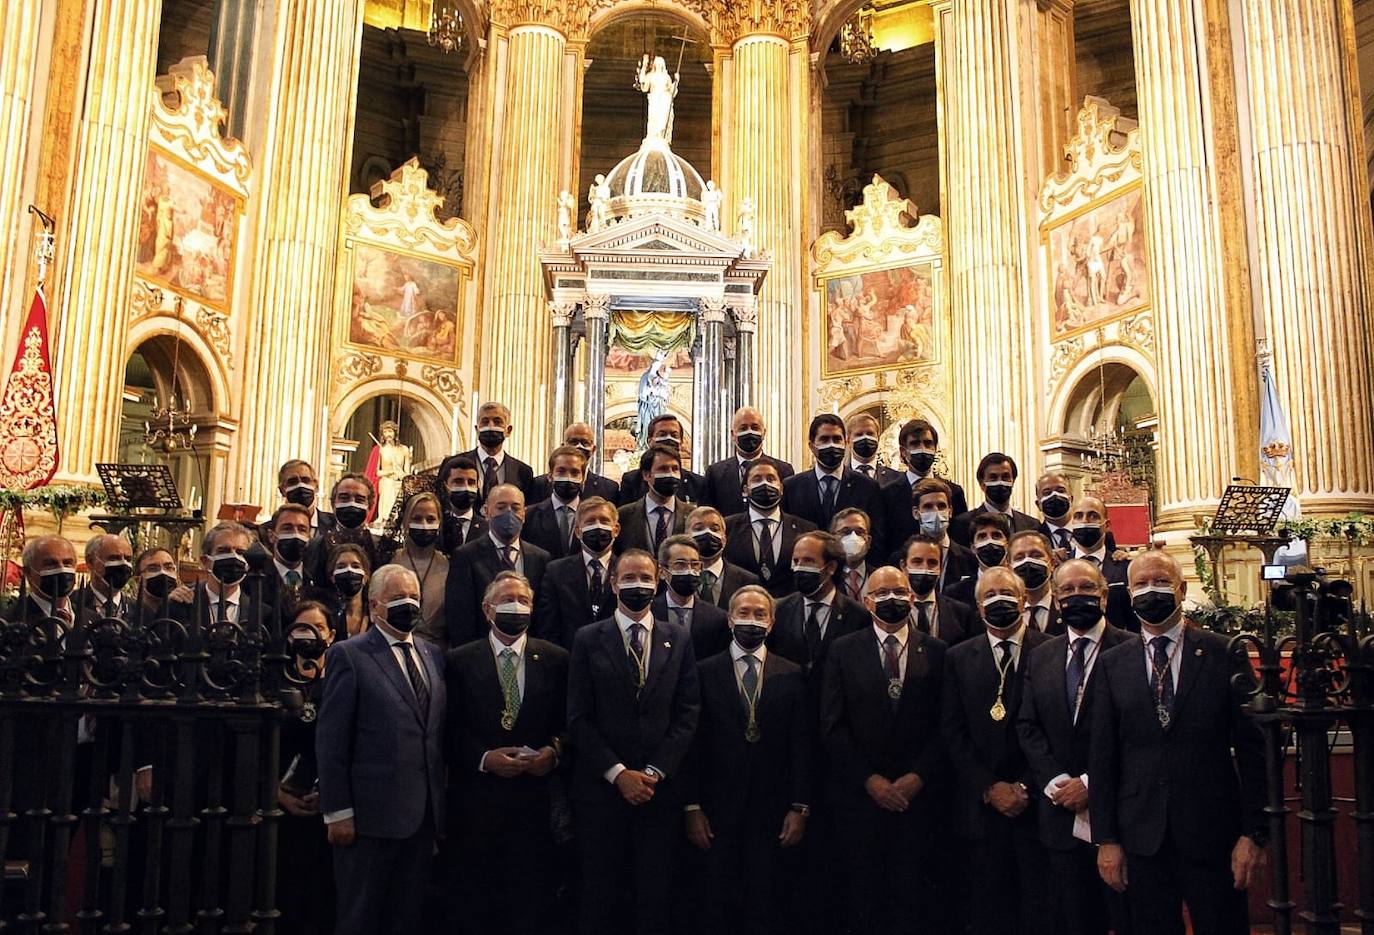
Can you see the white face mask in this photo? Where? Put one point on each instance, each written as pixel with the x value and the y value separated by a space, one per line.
pixel 855 545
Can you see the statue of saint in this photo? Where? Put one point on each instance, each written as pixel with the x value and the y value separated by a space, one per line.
pixel 599 197
pixel 393 464
pixel 710 203
pixel 661 89
pixel 567 204
pixel 653 395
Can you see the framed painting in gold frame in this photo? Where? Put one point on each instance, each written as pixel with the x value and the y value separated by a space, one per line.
pixel 880 318
pixel 1098 264
pixel 404 304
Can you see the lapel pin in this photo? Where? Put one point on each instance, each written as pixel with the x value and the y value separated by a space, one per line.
pixel 667 644
pixel 1198 651
pixel 534 656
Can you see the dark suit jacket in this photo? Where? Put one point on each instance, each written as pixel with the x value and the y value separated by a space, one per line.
pixel 378 753
pixel 541 528
pixel 512 471
pixel 634 525
pixel 1148 782
pixel 961 527
pixel 722 487
pixel 955 621
pixel 475 705
pixel 732 578
pixel 316 561
pixel 738 783
pixel 1054 743
pixel 1053 625
pixel 1119 613
pixel 739 549
pixel 982 750
pixel 1055 543
pixel 885 475
pixel 563 604
pixel 843 571
pixel 788 637
pixel 89 605
pixel 610 721
pixel 801 496
pixel 451 529
pixel 632 487
pixel 897 509
pixel 864 731
pixel 324 522
pixel 593 485
pixel 473 567
pixel 709 624
pixel 960 563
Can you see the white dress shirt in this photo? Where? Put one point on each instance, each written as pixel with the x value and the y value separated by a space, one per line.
pixel 827 606
pixel 1174 633
pixel 775 517
pixel 1045 601
pixel 1016 636
pixel 497 648
pixel 464 524
pixel 283 568
pixel 46 605
pixel 1099 554
pixel 901 635
pixel 499 458
pixel 231 603
pixel 517 555
pixel 624 622
pixel 1081 828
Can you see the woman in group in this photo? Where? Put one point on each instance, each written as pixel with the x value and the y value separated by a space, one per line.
pixel 350 568
pixel 420 552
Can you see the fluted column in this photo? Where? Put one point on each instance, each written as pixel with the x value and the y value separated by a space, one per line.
pixel 18 62
pixel 596 313
pixel 97 233
pixel 746 324
pixel 302 176
pixel 560 319
pixel 981 134
pixel 711 435
pixel 1205 387
pixel 522 194
pixel 1053 80
pixel 1313 231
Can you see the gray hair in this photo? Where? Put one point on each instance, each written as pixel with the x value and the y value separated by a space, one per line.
pixel 756 590
pixel 381 579
pixel 501 579
pixel 219 531
pixel 96 543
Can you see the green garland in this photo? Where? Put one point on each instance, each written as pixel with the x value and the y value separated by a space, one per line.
pixel 1357 527
pixel 60 501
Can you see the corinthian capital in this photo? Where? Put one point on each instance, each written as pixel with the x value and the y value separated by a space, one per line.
pixel 566 16
pixel 733 20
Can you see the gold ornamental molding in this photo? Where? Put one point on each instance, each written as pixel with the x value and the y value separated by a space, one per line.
pixel 879 232
pixel 1104 155
pixel 447 382
pixel 402 209
pixel 212 325
pixel 733 20
pixel 188 121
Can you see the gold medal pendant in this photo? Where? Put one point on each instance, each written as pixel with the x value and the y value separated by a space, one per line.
pixel 894 689
pixel 998 711
pixel 507 720
pixel 752 733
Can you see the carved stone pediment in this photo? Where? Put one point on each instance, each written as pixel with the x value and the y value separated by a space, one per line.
pixel 188 121
pixel 884 226
pixel 1105 155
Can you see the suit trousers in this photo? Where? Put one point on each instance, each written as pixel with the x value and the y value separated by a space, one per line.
pixel 1083 904
pixel 890 865
pixel 383 883
pixel 496 876
pixel 1018 903
pixel 627 865
pixel 742 870
pixel 1161 884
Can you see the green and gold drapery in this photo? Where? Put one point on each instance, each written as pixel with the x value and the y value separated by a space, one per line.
pixel 647 332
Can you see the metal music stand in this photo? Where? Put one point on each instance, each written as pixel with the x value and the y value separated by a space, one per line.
pixel 141 495
pixel 1245 517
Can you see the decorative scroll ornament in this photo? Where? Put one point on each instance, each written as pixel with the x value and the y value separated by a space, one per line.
pixel 28 417
pixel 1065 355
pixel 879 230
pixel 405 211
pixel 188 116
pixel 214 325
pixel 1104 155
pixel 146 300
pixel 1140 331
pixel 358 366
pixel 445 381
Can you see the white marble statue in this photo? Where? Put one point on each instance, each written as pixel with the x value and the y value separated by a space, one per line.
pixel 710 202
pixel 654 81
pixel 393 464
pixel 746 226
pixel 599 196
pixel 566 206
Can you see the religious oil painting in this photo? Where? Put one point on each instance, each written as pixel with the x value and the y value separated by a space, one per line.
pixel 1098 263
pixel 879 319
pixel 186 231
pixel 404 304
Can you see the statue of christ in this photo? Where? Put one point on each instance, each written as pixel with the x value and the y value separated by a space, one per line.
pixel 660 89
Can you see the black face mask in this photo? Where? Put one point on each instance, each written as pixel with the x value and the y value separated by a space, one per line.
pixel 922 582
pixel 461 499
pixel 491 439
pixel 808 580
pixel 1081 611
pixel 684 583
pixel 117 575
pixel 998 492
pixel 666 485
pixel 291 549
pixel 865 447
pixel 749 442
pixel 348 583
pixel 991 553
pixel 597 540
pixel 764 496
pixel 708 543
pixel 668 440
pixel 892 610
pixel 830 457
pixel 749 636
pixel 229 569
pixel 1154 607
pixel 160 585
pixel 1086 536
pixel 1054 505
pixel 301 496
pixel 58 584
pixel 402 614
pixel 586 451
pixel 567 490
pixel 511 623
pixel 1001 613
pixel 423 537
pixel 1033 573
pixel 635 597
pixel 350 515
pixel 921 462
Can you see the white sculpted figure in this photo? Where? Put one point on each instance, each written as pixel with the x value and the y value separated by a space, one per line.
pixel 746 226
pixel 566 206
pixel 600 198
pixel 710 202
pixel 393 464
pixel 661 89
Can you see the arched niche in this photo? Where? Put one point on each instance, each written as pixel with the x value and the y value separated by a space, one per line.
pixel 427 423
pixel 892 411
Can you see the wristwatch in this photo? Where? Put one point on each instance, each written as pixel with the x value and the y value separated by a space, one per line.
pixel 652 772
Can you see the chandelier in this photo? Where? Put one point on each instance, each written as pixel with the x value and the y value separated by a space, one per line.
pixel 169 426
pixel 446 26
pixel 856 40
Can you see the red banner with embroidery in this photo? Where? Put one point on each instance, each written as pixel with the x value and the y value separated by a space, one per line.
pixel 28 414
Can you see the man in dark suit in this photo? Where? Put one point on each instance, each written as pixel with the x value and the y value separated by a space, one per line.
pixel 719 579
pixel 748 776
pixel 1179 819
pixel 761 539
pixel 946 619
pixel 1055 729
pixel 287 534
pixel 633 703
pixel 679 567
pixel 298 484
pixel 379 742
pixel 930 509
pixel 475 565
pixel 809 620
pixel 1054 499
pixel 576 589
pixel 852 527
pixel 1089 526
pixel 991 536
pixel 507 712
pixel 220 595
pixel 879 723
pixel 663 430
pixel 109 559
pixel 863 450
pixel 724 488
pixel 920 445
pixel 580 436
pixel 660 513
pixel 1030 556
pixel 830 486
pixel 993 811
pixel 997 477
pixel 459 490
pixel 494 465
pixel 549 523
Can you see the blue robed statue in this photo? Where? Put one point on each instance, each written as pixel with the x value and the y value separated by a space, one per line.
pixel 653 395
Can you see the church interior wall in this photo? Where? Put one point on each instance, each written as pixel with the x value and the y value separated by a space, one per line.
pixel 1104 60
pixel 184 31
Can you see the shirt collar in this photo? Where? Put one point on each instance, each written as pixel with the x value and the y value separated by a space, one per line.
pixel 826 601
pixel 497 647
pixel 1045 601
pixel 686 603
pixel 397 640
pixel 882 634
pixel 913 478
pixel 513 546
pixel 624 621
pixel 1014 638
pixel 774 514
pixel 283 568
pixel 212 598
pixel 856 463
pixel 736 654
pixel 589 557
pixel 1099 553
pixel 482 456
pixel 557 503
pixel 1174 633
pixel 650 505
pixel 1094 635
pixel 989 508
pixel 821 473
pixel 46 605
pixel 716 567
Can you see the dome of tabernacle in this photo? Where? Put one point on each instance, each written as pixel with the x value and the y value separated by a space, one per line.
pixel 655 179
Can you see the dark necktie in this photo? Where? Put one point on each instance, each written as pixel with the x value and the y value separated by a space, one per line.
pixel 751 677
pixel 828 485
pixel 1163 679
pixel 637 652
pixel 463 525
pixel 766 557
pixel 293 578
pixel 1007 662
pixel 1075 673
pixel 744 467
pixel 489 479
pixel 507 558
pixel 866 470
pixel 813 630
pixel 565 524
pixel 417 682
pixel 1034 617
pixel 854 583
pixel 892 658
pixel 661 527
pixel 594 585
pixel 706 590
pixel 1061 535
pixel 923 616
pixel 680 617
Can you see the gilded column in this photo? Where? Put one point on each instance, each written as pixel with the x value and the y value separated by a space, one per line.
pixel 1313 231
pixel 981 135
pixel 596 313
pixel 1052 81
pixel 522 196
pixel 301 178
pixel 18 64
pixel 1205 387
pixel 97 233
pixel 768 107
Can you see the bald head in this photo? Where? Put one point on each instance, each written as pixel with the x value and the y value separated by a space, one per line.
pixel 1155 579
pixel 889 598
pixel 1088 523
pixel 748 430
pixel 580 435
